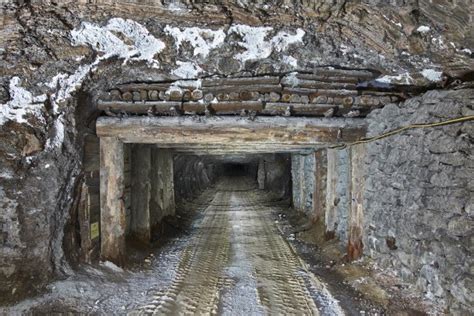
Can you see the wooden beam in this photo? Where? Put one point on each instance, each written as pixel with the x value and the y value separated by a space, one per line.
pixel 141 193
pixel 232 130
pixel 112 217
pixel 355 246
pixel 331 194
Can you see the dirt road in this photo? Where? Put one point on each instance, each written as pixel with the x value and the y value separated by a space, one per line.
pixel 237 263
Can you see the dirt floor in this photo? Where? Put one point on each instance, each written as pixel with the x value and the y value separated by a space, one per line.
pixel 235 250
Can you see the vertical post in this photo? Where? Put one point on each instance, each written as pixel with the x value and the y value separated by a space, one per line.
pixel 318 193
pixel 141 192
pixel 166 182
pixel 355 246
pixel 156 211
pixel 331 195
pixel 302 183
pixel 261 174
pixel 112 215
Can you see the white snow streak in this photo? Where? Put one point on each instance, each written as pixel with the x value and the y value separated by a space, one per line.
pixel 202 40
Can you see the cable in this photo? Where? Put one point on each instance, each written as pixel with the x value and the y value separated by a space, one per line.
pixel 402 129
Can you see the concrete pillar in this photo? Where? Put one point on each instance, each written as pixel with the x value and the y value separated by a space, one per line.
pixel 355 246
pixel 140 226
pixel 165 188
pixel 112 217
pixel 261 174
pixel 331 194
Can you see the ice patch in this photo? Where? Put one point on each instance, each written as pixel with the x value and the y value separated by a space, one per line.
pixel 187 70
pixel 21 103
pixel 423 29
pixel 203 40
pixel 432 75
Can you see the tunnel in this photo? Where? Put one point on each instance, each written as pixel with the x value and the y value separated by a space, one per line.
pixel 266 157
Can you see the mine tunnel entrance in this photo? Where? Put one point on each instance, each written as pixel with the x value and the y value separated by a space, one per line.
pixel 147 164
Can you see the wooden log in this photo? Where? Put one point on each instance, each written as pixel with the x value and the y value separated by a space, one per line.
pixel 141 193
pixel 310 84
pixel 153 95
pixel 231 130
pixel 112 217
pixel 331 211
pixel 275 108
pixel 136 96
pixel 266 80
pixel 235 107
pixel 194 107
pixel 143 86
pixel 357 183
pixel 347 73
pixel 196 95
pixel 127 96
pixel 241 88
pixel 154 107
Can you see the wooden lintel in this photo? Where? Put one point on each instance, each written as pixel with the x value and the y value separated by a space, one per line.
pixel 232 130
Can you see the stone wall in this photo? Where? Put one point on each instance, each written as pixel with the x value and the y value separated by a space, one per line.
pixel 419 196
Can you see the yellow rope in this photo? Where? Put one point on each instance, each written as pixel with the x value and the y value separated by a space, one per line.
pixel 402 129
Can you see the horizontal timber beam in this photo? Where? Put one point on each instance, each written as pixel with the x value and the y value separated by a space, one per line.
pixel 180 132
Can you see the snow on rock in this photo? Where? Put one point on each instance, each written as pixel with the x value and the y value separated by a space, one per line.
pixel 57 140
pixel 404 78
pixel 431 74
pixel 187 70
pixel 102 38
pixel 423 29
pixel 22 102
pixel 282 40
pixel 202 40
pixel 290 60
pixel 254 40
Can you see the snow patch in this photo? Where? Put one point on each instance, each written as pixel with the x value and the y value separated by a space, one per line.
pixel 423 29
pixel 58 139
pixel 203 40
pixel 404 78
pixel 290 60
pixel 187 69
pixel 256 45
pixel 431 74
pixel 21 103
pixel 282 40
pixel 144 46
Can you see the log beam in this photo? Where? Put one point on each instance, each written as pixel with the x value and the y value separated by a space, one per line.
pixel 112 220
pixel 236 131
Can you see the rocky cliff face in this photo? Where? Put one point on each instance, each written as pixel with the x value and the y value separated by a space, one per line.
pixel 57 57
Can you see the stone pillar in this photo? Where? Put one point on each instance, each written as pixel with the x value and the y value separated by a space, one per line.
pixel 261 174
pixel 331 194
pixel 140 226
pixel 112 217
pixel 165 188
pixel 355 246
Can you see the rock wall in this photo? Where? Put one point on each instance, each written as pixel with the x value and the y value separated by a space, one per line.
pixel 419 198
pixel 193 174
pixel 57 58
